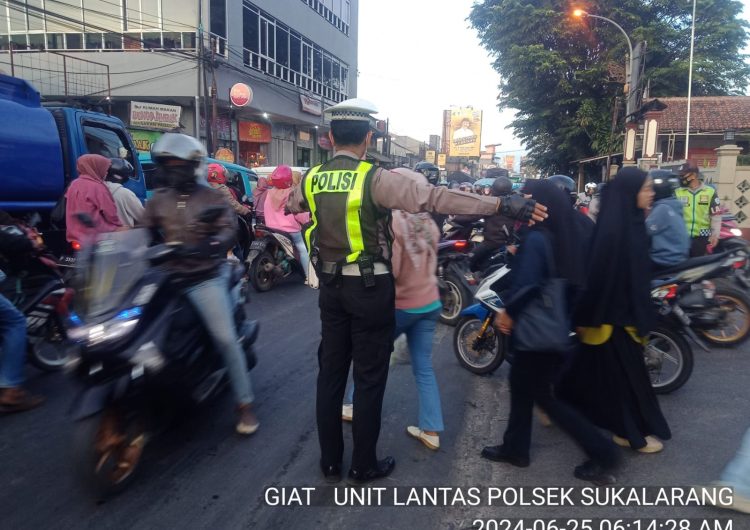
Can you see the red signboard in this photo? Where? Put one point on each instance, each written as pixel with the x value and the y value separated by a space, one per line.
pixel 240 95
pixel 252 131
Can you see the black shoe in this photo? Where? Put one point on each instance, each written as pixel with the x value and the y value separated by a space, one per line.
pixel 590 471
pixel 496 453
pixel 381 470
pixel 332 474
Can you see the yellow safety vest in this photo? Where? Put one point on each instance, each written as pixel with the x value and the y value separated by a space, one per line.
pixel 697 210
pixel 348 181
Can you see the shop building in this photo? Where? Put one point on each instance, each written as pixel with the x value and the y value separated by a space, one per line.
pixel 135 57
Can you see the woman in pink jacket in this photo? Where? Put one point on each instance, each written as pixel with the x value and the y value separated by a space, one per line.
pixel 414 262
pixel 89 194
pixel 273 209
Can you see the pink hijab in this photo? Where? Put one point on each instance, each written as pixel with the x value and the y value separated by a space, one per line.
pixel 88 194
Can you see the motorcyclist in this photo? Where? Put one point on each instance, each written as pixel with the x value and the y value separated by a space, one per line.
pixel 498 229
pixel 129 208
pixel 430 171
pixel 584 224
pixel 670 242
pixel 13 398
pixel 175 213
pixel 217 179
pixel 584 199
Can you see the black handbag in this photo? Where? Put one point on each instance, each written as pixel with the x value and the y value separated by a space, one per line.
pixel 543 325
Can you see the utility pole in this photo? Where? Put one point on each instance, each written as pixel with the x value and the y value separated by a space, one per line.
pixel 214 97
pixel 202 67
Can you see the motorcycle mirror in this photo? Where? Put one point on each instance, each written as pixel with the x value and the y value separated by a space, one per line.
pixel 85 219
pixel 211 215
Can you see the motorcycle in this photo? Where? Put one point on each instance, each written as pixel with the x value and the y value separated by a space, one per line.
pixel 481 349
pixel 36 286
pixel 470 231
pixel 141 353
pixel 452 272
pixel 272 257
pixel 710 292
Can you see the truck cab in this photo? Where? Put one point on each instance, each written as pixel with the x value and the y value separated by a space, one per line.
pixel 39 147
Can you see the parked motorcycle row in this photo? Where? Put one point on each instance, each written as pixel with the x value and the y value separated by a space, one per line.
pixel 700 302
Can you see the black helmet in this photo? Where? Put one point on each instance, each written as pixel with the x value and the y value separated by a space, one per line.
pixel 119 171
pixel 565 183
pixel 429 170
pixel 502 186
pixel 665 183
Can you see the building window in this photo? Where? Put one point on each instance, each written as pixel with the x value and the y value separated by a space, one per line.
pixel 218 13
pixel 336 12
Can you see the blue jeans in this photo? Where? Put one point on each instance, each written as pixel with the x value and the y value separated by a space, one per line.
pixel 420 329
pixel 737 472
pixel 12 344
pixel 213 303
pixel 299 242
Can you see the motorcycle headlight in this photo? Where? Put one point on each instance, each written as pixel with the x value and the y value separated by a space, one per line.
pixel 736 232
pixel 115 329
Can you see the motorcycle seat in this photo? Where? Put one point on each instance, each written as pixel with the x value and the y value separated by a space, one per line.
pixel 691 263
pixel 272 230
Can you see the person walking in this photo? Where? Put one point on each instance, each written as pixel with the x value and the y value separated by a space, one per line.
pixel 414 262
pixel 702 210
pixel 548 250
pixel 350 200
pixel 608 380
pixel 88 194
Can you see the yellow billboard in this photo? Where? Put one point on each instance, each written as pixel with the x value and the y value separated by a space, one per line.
pixel 441 160
pixel 465 132
pixel 430 156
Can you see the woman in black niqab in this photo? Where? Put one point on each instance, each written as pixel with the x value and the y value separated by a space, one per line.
pixel 608 379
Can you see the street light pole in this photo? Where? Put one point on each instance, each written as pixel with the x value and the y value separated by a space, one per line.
pixel 629 77
pixel 690 83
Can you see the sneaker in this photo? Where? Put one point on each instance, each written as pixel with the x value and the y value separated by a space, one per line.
pixel 431 441
pixel 652 444
pixel 347 412
pixel 248 422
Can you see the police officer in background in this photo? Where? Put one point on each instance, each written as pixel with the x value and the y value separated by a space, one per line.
pixel 702 210
pixel 350 200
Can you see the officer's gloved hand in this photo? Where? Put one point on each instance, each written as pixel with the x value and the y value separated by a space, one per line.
pixel 518 207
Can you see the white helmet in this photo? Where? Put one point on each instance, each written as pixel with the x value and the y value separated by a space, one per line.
pixel 176 146
pixel 590 186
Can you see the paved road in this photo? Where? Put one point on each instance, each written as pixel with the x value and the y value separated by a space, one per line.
pixel 201 475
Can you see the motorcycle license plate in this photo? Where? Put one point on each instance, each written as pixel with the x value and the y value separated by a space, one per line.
pixel 257 245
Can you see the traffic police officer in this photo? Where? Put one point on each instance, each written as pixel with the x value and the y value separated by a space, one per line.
pixel 350 200
pixel 702 210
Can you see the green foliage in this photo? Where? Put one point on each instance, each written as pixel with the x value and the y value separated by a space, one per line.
pixel 554 68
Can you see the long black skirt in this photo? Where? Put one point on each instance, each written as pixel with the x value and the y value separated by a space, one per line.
pixel 610 385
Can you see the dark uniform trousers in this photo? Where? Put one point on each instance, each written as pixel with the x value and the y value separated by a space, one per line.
pixel 357 326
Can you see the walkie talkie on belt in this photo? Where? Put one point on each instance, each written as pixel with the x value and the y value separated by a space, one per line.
pixel 367 270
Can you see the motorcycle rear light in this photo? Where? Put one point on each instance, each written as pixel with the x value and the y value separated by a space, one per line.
pixel 739 264
pixel 75 245
pixel 461 245
pixel 668 292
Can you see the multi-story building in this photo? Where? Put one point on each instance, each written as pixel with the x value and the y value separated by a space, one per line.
pixel 141 60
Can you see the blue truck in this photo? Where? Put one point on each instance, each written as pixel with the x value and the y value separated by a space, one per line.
pixel 39 147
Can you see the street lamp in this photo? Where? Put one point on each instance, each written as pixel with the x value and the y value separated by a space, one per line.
pixel 580 13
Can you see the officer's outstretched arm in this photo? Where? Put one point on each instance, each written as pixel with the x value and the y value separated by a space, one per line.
pixel 393 191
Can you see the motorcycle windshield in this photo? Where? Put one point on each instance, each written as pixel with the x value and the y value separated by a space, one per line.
pixel 109 270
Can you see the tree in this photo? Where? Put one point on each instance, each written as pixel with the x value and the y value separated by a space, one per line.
pixel 560 72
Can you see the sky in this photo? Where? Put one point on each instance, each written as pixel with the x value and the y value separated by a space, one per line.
pixel 419 57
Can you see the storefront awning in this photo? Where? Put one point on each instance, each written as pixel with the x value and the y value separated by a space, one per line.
pixel 378 157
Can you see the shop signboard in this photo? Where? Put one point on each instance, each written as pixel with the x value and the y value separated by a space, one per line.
pixel 441 160
pixel 240 95
pixel 429 156
pixel 465 132
pixel 510 161
pixel 154 116
pixel 143 140
pixel 324 142
pixel 311 105
pixel 223 127
pixel 252 131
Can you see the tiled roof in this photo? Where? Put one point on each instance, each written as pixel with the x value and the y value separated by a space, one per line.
pixel 712 113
